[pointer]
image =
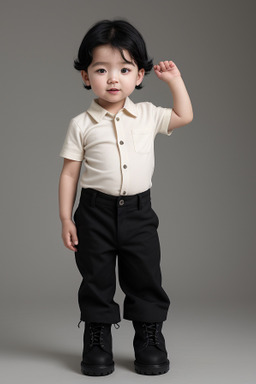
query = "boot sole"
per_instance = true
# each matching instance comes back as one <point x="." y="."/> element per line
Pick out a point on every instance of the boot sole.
<point x="97" y="370"/>
<point x="158" y="369"/>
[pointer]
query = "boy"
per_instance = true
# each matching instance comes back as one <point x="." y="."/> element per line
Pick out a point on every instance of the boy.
<point x="114" y="138"/>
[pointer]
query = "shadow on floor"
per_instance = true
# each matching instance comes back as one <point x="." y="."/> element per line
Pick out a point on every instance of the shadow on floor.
<point x="67" y="359"/>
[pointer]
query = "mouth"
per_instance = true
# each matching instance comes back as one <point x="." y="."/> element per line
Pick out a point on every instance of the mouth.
<point x="113" y="90"/>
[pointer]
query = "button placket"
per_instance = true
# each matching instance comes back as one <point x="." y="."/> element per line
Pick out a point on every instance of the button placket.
<point x="123" y="155"/>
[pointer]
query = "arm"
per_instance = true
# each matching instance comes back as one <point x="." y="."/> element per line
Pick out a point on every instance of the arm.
<point x="182" y="112"/>
<point x="67" y="193"/>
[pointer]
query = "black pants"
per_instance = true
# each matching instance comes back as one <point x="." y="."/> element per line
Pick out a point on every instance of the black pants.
<point x="123" y="226"/>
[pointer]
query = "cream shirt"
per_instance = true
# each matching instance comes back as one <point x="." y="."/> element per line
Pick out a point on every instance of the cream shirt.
<point x="117" y="150"/>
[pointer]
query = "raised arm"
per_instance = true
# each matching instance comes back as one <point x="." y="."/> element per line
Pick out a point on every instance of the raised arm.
<point x="182" y="112"/>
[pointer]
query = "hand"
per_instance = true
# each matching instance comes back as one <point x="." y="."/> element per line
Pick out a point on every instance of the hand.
<point x="69" y="235"/>
<point x="166" y="71"/>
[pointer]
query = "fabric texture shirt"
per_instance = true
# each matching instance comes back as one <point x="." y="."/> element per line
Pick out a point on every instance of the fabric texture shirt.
<point x="117" y="150"/>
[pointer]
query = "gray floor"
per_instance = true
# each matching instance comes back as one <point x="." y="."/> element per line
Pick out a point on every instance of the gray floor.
<point x="207" y="345"/>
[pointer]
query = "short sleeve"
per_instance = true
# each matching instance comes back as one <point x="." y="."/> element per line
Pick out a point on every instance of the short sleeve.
<point x="73" y="147"/>
<point x="162" y="118"/>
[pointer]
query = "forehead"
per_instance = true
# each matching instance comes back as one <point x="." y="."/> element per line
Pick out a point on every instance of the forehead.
<point x="107" y="53"/>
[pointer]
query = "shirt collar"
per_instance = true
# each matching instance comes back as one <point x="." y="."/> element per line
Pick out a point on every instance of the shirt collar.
<point x="98" y="113"/>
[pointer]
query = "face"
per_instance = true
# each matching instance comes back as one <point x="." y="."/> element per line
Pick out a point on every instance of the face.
<point x="111" y="78"/>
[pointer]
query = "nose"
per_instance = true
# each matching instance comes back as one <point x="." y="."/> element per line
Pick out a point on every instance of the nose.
<point x="112" y="79"/>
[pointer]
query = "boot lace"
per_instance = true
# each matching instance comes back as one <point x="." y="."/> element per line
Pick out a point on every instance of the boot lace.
<point x="96" y="334"/>
<point x="151" y="330"/>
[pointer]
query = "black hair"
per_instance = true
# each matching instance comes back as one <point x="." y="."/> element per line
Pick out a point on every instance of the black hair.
<point x="120" y="34"/>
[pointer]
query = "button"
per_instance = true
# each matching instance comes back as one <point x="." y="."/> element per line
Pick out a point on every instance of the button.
<point x="124" y="192"/>
<point x="121" y="142"/>
<point x="118" y="118"/>
<point x="124" y="166"/>
<point x="121" y="202"/>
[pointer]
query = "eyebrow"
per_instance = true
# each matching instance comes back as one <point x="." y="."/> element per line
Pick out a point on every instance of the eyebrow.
<point x="106" y="63"/>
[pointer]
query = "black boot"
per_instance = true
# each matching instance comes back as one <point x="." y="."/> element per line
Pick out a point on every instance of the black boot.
<point x="97" y="352"/>
<point x="149" y="346"/>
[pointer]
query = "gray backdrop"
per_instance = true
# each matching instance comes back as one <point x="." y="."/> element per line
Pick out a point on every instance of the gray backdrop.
<point x="204" y="183"/>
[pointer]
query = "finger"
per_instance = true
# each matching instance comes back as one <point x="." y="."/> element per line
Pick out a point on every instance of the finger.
<point x="162" y="66"/>
<point x="69" y="243"/>
<point x="158" y="71"/>
<point x="74" y="237"/>
<point x="167" y="66"/>
<point x="72" y="248"/>
<point x="74" y="240"/>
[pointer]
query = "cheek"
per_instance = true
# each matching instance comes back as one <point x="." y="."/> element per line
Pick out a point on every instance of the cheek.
<point x="96" y="83"/>
<point x="131" y="83"/>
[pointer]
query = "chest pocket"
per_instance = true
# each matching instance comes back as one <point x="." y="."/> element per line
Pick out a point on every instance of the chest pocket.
<point x="143" y="142"/>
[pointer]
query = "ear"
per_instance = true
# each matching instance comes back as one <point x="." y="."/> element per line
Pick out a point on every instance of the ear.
<point x="140" y="77"/>
<point x="85" y="78"/>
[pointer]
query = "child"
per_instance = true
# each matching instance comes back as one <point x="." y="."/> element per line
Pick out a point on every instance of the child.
<point x="114" y="138"/>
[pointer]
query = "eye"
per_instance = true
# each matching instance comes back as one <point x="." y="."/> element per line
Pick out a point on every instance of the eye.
<point x="125" y="70"/>
<point x="101" y="70"/>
